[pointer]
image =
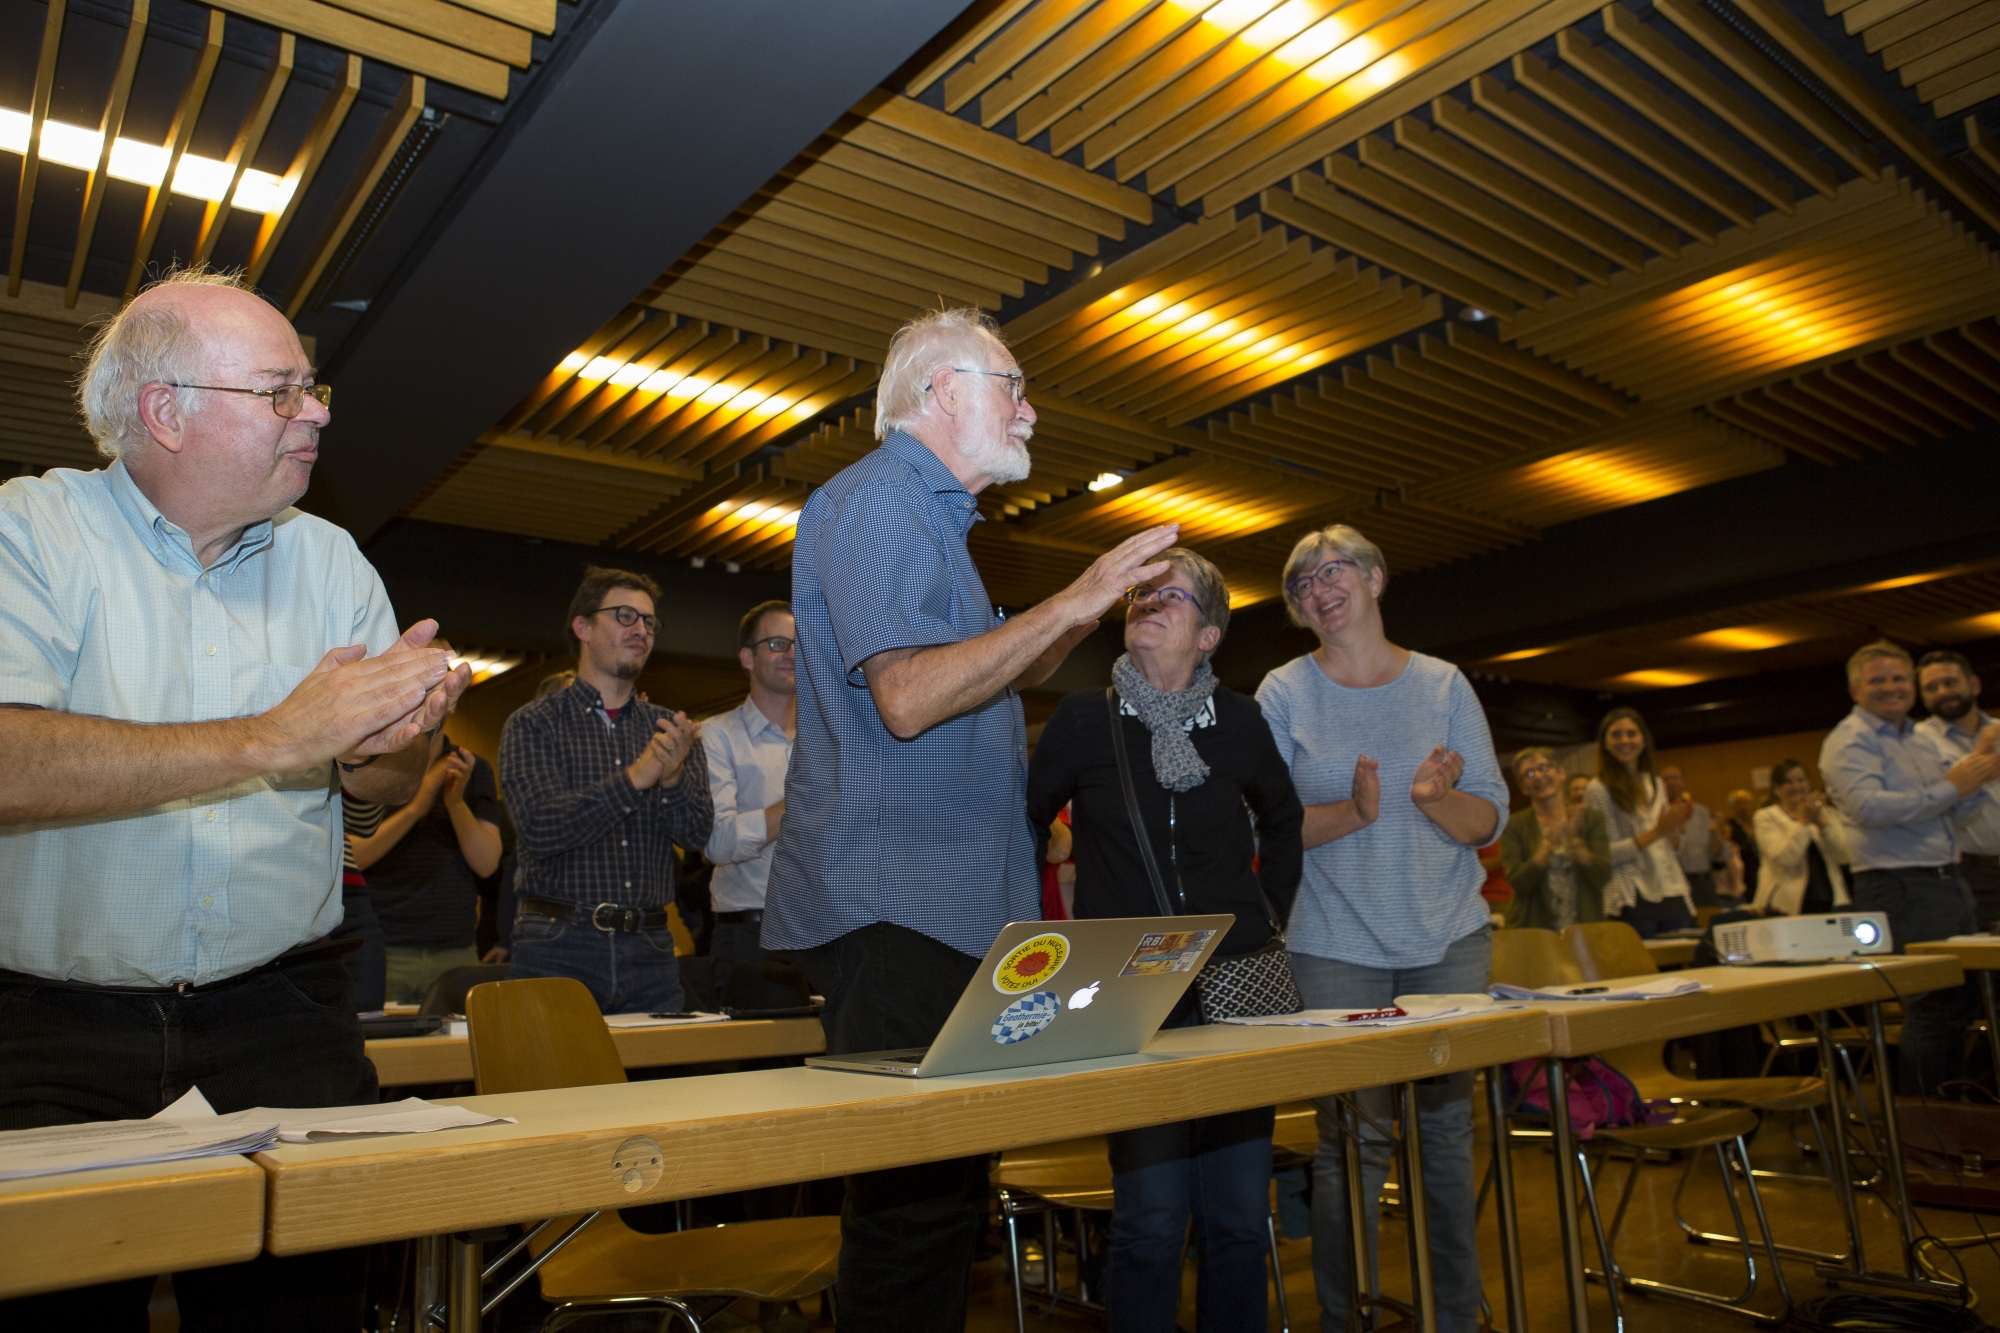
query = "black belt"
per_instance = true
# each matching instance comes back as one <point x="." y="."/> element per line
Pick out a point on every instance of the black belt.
<point x="318" y="951"/>
<point x="739" y="918"/>
<point x="605" y="916"/>
<point x="1979" y="859"/>
<point x="1940" y="872"/>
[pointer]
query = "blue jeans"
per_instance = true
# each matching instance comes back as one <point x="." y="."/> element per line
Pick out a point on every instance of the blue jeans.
<point x="1444" y="1119"/>
<point x="1217" y="1170"/>
<point x="628" y="972"/>
<point x="1925" y="905"/>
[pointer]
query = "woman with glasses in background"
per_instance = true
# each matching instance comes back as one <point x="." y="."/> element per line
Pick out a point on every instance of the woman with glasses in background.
<point x="1390" y="752"/>
<point x="1556" y="855"/>
<point x="1647" y="890"/>
<point x="1223" y="822"/>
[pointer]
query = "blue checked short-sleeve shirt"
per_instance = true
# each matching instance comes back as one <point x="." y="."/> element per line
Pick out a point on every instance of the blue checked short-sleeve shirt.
<point x="107" y="612"/>
<point x="930" y="833"/>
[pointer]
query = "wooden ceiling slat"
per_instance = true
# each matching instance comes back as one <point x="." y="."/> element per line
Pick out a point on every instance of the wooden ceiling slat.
<point x="909" y="231"/>
<point x="902" y="204"/>
<point x="1862" y="407"/>
<point x="1313" y="206"/>
<point x="552" y="383"/>
<point x="730" y="374"/>
<point x="1378" y="423"/>
<point x="1453" y="248"/>
<point x="1382" y="381"/>
<point x="769" y="378"/>
<point x="793" y="251"/>
<point x="998" y="16"/>
<point x="870" y="252"/>
<point x="850" y="155"/>
<point x="1007" y="47"/>
<point x="1514" y="361"/>
<point x="1961" y="352"/>
<point x="570" y="393"/>
<point x="345" y="31"/>
<point x="1445" y="366"/>
<point x="983" y="178"/>
<point x="1806" y="444"/>
<point x="1917" y="394"/>
<point x="1057" y="57"/>
<point x="1095" y="73"/>
<point x="713" y="358"/>
<point x="1878" y="24"/>
<point x="788" y="315"/>
<point x="648" y="347"/>
<point x="1132" y="86"/>
<point x="752" y="268"/>
<point x="1735" y="110"/>
<point x="1403" y="371"/>
<point x="1805" y="407"/>
<point x="1948" y="377"/>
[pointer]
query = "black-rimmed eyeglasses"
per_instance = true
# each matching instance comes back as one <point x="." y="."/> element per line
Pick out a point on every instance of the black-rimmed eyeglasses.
<point x="1168" y="598"/>
<point x="777" y="643"/>
<point x="286" y="399"/>
<point x="629" y="616"/>
<point x="1017" y="383"/>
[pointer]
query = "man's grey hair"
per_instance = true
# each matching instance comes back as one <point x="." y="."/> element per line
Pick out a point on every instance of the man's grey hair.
<point x="948" y="337"/>
<point x="1313" y="550"/>
<point x="137" y="348"/>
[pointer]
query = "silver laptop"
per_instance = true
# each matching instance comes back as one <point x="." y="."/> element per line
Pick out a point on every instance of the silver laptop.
<point x="1050" y="991"/>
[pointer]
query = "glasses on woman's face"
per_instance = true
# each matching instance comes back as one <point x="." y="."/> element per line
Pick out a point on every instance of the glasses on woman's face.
<point x="774" y="645"/>
<point x="1167" y="598"/>
<point x="1540" y="770"/>
<point x="629" y="616"/>
<point x="1325" y="576"/>
<point x="286" y="399"/>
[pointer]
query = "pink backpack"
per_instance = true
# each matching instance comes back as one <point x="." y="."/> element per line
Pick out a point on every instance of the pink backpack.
<point x="1598" y="1095"/>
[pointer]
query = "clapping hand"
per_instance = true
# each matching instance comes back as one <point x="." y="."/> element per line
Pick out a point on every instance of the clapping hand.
<point x="1436" y="775"/>
<point x="456" y="766"/>
<point x="666" y="753"/>
<point x="1367" y="789"/>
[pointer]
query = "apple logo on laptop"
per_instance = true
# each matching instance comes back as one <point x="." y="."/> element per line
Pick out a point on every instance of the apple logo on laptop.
<point x="1082" y="999"/>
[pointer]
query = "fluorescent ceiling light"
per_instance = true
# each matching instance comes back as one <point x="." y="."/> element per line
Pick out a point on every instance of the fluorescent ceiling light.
<point x="197" y="177"/>
<point x="1104" y="481"/>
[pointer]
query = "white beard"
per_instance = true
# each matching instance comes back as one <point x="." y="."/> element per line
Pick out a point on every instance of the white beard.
<point x="1006" y="461"/>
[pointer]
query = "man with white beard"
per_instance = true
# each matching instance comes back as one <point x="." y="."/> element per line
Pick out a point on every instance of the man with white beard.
<point x="905" y="845"/>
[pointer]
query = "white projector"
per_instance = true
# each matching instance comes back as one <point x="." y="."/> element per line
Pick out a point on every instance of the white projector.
<point x="1803" y="939"/>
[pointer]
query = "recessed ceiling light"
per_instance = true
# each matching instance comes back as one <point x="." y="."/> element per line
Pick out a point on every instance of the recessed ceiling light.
<point x="1104" y="481"/>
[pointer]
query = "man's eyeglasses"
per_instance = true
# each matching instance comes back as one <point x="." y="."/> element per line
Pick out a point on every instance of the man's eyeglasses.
<point x="1168" y="598"/>
<point x="777" y="643"/>
<point x="629" y="616"/>
<point x="1017" y="383"/>
<point x="286" y="399"/>
<point x="1325" y="576"/>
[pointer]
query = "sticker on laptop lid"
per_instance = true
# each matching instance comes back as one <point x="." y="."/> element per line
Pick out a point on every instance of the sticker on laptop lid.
<point x="1026" y="1017"/>
<point x="1166" y="951"/>
<point x="1030" y="963"/>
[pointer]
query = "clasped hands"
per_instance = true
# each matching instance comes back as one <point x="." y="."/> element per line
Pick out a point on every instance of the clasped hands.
<point x="353" y="707"/>
<point x="1437" y="775"/>
<point x="665" y="754"/>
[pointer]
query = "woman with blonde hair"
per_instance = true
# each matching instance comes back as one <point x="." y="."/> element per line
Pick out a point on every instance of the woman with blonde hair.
<point x="1647" y="890"/>
<point x="1391" y="755"/>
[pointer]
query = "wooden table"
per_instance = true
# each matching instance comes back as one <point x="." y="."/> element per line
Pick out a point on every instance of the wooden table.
<point x="441" y="1059"/>
<point x="85" y="1227"/>
<point x="1671" y="953"/>
<point x="1740" y="996"/>
<point x="769" y="1127"/>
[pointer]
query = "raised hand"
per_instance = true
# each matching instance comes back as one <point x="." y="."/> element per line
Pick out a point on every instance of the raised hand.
<point x="1675" y="816"/>
<point x="456" y="767"/>
<point x="1436" y="775"/>
<point x="666" y="753"/>
<point x="1367" y="789"/>
<point x="1124" y="565"/>
<point x="351" y="705"/>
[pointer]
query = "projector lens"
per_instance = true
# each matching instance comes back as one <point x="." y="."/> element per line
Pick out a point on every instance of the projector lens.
<point x="1867" y="932"/>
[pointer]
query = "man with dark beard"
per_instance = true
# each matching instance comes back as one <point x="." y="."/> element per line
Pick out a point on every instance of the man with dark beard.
<point x="599" y="784"/>
<point x="1950" y="693"/>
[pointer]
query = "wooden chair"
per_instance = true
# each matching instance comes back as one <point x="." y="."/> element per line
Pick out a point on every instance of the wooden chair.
<point x="1531" y="956"/>
<point x="546" y="1032"/>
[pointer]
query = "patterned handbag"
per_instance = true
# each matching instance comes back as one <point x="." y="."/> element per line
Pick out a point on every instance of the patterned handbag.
<point x="1249" y="985"/>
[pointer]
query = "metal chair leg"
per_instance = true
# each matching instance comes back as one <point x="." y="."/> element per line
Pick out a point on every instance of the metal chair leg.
<point x="1278" y="1276"/>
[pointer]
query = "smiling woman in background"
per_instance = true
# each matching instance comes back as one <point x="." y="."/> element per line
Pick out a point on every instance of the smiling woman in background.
<point x="1203" y="768"/>
<point x="1390" y="751"/>
<point x="1647" y="891"/>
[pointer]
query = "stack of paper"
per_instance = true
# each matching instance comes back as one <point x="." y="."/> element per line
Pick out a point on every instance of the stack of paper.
<point x="318" y="1124"/>
<point x="1629" y="988"/>
<point x="57" y="1149"/>
<point x="661" y="1020"/>
<point x="1415" y="1009"/>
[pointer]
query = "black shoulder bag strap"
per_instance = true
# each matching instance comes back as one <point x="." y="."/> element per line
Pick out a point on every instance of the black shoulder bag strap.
<point x="1132" y="801"/>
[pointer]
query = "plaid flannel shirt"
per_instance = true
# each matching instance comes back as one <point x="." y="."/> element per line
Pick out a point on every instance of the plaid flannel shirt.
<point x="585" y="834"/>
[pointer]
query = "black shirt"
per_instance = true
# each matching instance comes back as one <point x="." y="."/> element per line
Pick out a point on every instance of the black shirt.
<point x="425" y="894"/>
<point x="1212" y="837"/>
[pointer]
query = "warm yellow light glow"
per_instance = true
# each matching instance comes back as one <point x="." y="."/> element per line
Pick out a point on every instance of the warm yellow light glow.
<point x="600" y="368"/>
<point x="1977" y="626"/>
<point x="485" y="666"/>
<point x="572" y="363"/>
<point x="1346" y="60"/>
<point x="721" y="393"/>
<point x="1146" y="307"/>
<point x="1167" y="504"/>
<point x="746" y="400"/>
<point x="1663" y="678"/>
<point x="1313" y="43"/>
<point x="1387" y="71"/>
<point x="1906" y="581"/>
<point x="627" y="376"/>
<point x="802" y="410"/>
<point x="198" y="177"/>
<point x="1523" y="654"/>
<point x="1286" y="21"/>
<point x="1230" y="15"/>
<point x="1104" y="481"/>
<point x="1749" y="638"/>
<point x="658" y="382"/>
<point x="688" y="387"/>
<point x="1599" y="480"/>
<point x="1194" y="324"/>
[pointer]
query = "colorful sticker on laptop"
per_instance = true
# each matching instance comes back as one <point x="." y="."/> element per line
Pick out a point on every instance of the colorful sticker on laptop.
<point x="1166" y="951"/>
<point x="1026" y="1017"/>
<point x="1030" y="963"/>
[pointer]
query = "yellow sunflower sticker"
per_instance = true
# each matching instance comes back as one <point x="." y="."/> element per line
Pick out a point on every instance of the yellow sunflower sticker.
<point x="1030" y="963"/>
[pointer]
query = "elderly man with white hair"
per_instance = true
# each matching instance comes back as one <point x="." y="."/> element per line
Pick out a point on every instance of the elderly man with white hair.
<point x="905" y="844"/>
<point x="189" y="671"/>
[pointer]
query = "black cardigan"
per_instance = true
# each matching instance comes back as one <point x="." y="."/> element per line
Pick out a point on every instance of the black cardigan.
<point x="1074" y="765"/>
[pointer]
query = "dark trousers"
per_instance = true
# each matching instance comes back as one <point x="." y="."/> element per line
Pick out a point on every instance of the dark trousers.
<point x="735" y="942"/>
<point x="1924" y="904"/>
<point x="71" y="1054"/>
<point x="1650" y="919"/>
<point x="907" y="1235"/>
<point x="368" y="965"/>
<point x="1985" y="884"/>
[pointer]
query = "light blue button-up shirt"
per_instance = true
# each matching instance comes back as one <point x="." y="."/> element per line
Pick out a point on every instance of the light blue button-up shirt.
<point x="1889" y="783"/>
<point x="107" y="612"/>
<point x="748" y="754"/>
<point x="1977" y="827"/>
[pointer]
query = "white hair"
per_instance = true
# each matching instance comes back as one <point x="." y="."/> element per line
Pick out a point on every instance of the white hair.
<point x="939" y="338"/>
<point x="155" y="345"/>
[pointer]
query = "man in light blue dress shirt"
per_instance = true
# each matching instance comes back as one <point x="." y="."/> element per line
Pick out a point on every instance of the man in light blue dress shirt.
<point x="184" y="661"/>
<point x="1899" y="800"/>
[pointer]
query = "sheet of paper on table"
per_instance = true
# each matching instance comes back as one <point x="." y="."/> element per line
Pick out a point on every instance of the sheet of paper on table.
<point x="1416" y="1009"/>
<point x="661" y="1021"/>
<point x="318" y="1124"/>
<point x="1650" y="988"/>
<point x="57" y="1149"/>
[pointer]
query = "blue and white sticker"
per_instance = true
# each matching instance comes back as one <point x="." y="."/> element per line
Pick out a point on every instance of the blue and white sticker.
<point x="1026" y="1017"/>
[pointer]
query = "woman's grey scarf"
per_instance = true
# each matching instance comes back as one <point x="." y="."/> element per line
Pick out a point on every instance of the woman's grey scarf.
<point x="1175" y="762"/>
